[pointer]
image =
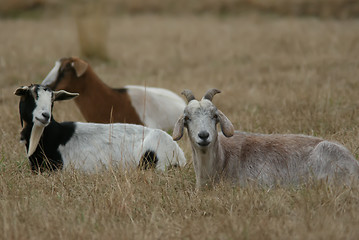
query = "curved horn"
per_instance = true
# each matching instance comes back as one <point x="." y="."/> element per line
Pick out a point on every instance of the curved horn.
<point x="188" y="94"/>
<point x="210" y="93"/>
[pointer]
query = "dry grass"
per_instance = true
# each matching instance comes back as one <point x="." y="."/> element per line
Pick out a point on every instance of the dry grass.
<point x="320" y="8"/>
<point x="13" y="5"/>
<point x="278" y="75"/>
<point x="92" y="30"/>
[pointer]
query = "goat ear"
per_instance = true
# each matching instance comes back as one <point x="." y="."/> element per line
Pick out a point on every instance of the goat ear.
<point x="21" y="91"/>
<point x="63" y="95"/>
<point x="178" y="129"/>
<point x="226" y="125"/>
<point x="80" y="66"/>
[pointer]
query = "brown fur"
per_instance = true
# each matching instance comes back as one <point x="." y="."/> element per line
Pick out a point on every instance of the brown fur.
<point x="97" y="102"/>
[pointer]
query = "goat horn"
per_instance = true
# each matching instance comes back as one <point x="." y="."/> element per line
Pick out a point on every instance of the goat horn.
<point x="210" y="93"/>
<point x="188" y="94"/>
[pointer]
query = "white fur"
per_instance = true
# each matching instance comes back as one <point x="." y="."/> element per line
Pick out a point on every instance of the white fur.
<point x="94" y="146"/>
<point x="52" y="76"/>
<point x="154" y="111"/>
<point x="42" y="106"/>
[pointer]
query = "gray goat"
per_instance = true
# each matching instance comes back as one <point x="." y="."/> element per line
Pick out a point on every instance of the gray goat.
<point x="243" y="158"/>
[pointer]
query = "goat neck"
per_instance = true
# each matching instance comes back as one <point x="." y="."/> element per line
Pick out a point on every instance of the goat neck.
<point x="90" y="87"/>
<point x="104" y="101"/>
<point x="53" y="135"/>
<point x="208" y="164"/>
<point x="92" y="93"/>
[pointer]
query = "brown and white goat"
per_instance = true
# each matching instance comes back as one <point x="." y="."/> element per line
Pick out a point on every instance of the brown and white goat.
<point x="265" y="159"/>
<point x="151" y="107"/>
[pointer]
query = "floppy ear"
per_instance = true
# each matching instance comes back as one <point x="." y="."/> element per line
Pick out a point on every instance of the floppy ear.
<point x="21" y="91"/>
<point x="178" y="129"/>
<point x="63" y="95"/>
<point x="80" y="66"/>
<point x="226" y="125"/>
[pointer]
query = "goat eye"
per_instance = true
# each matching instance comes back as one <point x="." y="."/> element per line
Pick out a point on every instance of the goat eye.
<point x="187" y="119"/>
<point x="215" y="116"/>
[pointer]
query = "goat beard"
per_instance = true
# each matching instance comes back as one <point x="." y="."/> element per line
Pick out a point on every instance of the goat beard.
<point x="36" y="133"/>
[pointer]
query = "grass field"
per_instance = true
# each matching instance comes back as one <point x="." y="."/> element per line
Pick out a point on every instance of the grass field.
<point x="277" y="75"/>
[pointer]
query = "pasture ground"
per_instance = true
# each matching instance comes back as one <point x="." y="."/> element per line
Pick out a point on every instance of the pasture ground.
<point x="277" y="75"/>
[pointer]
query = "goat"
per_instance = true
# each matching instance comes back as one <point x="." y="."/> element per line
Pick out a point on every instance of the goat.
<point x="151" y="107"/>
<point x="242" y="158"/>
<point x="51" y="145"/>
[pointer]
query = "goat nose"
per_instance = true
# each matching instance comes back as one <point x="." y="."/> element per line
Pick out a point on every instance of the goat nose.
<point x="46" y="115"/>
<point x="203" y="135"/>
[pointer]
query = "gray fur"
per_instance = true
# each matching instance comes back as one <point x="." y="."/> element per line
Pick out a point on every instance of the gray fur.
<point x="259" y="158"/>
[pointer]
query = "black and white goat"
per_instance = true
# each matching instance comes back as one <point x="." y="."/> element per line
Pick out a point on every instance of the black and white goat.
<point x="247" y="157"/>
<point x="88" y="146"/>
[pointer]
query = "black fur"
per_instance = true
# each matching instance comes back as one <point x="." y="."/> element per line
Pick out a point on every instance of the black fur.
<point x="149" y="160"/>
<point x="47" y="156"/>
<point x="26" y="106"/>
<point x="121" y="90"/>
